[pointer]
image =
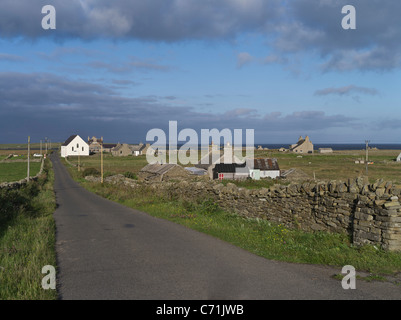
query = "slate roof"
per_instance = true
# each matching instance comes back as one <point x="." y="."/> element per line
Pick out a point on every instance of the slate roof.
<point x="109" y="145"/>
<point x="67" y="142"/>
<point x="137" y="147"/>
<point x="228" y="167"/>
<point x="297" y="144"/>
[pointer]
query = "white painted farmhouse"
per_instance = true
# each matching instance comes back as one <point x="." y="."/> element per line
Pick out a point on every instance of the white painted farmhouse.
<point x="74" y="146"/>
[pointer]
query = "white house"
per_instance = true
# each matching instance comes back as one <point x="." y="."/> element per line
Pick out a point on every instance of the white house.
<point x="264" y="168"/>
<point x="399" y="158"/>
<point x="74" y="146"/>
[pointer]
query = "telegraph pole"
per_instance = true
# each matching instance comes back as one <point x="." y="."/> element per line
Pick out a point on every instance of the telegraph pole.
<point x="40" y="147"/>
<point x="79" y="160"/>
<point x="367" y="155"/>
<point x="101" y="162"/>
<point x="29" y="150"/>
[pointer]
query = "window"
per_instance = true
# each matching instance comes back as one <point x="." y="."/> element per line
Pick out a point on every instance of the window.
<point x="72" y="148"/>
<point x="77" y="146"/>
<point x="82" y="148"/>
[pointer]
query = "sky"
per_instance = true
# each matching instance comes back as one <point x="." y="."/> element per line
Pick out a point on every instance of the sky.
<point x="283" y="68"/>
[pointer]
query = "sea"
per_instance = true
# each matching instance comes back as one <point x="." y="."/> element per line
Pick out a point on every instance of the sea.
<point x="334" y="146"/>
<point x="337" y="146"/>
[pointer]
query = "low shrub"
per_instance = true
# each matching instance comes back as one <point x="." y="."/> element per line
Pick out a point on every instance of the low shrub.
<point x="90" y="172"/>
<point x="130" y="175"/>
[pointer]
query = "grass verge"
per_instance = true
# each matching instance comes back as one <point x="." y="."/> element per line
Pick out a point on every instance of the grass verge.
<point x="27" y="239"/>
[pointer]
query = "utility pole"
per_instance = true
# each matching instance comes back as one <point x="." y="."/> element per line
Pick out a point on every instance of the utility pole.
<point x="79" y="160"/>
<point x="40" y="147"/>
<point x="29" y="151"/>
<point x="367" y="155"/>
<point x="101" y="162"/>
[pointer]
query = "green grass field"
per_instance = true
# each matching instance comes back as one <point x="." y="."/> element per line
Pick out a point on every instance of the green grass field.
<point x="16" y="171"/>
<point x="34" y="145"/>
<point x="339" y="165"/>
<point x="112" y="164"/>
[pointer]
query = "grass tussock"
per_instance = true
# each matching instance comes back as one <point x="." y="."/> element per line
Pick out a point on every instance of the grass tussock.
<point x="27" y="239"/>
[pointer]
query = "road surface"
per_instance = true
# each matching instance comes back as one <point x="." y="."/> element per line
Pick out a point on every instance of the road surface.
<point x="108" y="251"/>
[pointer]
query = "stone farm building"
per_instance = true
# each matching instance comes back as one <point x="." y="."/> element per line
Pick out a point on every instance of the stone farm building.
<point x="325" y="150"/>
<point x="302" y="146"/>
<point x="95" y="145"/>
<point x="125" y="149"/>
<point x="74" y="146"/>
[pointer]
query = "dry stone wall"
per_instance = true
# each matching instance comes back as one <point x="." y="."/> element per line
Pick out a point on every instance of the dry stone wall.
<point x="369" y="213"/>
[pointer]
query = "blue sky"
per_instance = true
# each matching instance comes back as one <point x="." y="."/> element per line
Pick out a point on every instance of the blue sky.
<point x="120" y="68"/>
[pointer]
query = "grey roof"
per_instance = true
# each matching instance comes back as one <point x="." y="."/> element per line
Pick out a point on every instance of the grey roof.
<point x="297" y="144"/>
<point x="137" y="147"/>
<point x="157" y="168"/>
<point x="109" y="145"/>
<point x="67" y="142"/>
<point x="229" y="168"/>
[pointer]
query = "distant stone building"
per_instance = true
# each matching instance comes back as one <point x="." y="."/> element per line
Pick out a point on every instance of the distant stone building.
<point x="125" y="149"/>
<point x="121" y="150"/>
<point x="139" y="149"/>
<point x="302" y="146"/>
<point x="325" y="150"/>
<point x="95" y="145"/>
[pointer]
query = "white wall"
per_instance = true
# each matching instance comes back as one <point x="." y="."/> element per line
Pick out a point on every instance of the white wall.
<point x="77" y="147"/>
<point x="270" y="173"/>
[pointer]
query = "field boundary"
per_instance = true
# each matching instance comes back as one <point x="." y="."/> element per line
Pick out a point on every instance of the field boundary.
<point x="18" y="184"/>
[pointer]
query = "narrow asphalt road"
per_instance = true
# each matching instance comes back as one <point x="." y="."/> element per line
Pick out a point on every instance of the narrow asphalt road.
<point x="108" y="251"/>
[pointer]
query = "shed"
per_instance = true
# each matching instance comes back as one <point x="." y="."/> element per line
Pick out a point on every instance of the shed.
<point x="231" y="171"/>
<point x="268" y="167"/>
<point x="325" y="150"/>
